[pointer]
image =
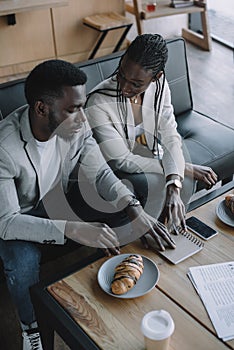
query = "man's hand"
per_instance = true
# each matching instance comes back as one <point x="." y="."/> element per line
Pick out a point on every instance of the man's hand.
<point x="145" y="224"/>
<point x="173" y="212"/>
<point x="93" y="234"/>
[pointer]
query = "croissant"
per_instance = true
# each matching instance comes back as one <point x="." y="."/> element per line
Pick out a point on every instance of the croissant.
<point x="127" y="273"/>
<point x="229" y="201"/>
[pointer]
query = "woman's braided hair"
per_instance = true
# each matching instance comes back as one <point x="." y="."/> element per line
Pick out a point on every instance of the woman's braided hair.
<point x="150" y="52"/>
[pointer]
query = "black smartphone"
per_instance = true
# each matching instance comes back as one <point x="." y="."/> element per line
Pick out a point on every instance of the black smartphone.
<point x="200" y="228"/>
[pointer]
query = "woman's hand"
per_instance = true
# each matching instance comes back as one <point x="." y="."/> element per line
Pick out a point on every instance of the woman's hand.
<point x="201" y="173"/>
<point x="173" y="212"/>
<point x="93" y="234"/>
<point x="145" y="224"/>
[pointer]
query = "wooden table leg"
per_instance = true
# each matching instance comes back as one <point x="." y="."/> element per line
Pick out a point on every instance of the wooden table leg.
<point x="44" y="321"/>
<point x="47" y="336"/>
<point x="137" y="12"/>
<point x="123" y="36"/>
<point x="98" y="43"/>
<point x="202" y="40"/>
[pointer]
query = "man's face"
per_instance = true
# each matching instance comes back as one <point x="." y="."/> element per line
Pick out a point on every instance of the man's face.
<point x="66" y="115"/>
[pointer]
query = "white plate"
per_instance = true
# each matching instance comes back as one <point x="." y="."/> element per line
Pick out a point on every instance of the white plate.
<point x="145" y="284"/>
<point x="225" y="214"/>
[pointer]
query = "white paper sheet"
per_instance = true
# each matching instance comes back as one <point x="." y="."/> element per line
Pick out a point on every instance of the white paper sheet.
<point x="215" y="286"/>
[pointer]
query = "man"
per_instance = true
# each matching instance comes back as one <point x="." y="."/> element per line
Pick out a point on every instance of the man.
<point x="44" y="147"/>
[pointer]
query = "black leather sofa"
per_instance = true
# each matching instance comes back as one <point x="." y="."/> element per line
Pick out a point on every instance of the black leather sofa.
<point x="208" y="141"/>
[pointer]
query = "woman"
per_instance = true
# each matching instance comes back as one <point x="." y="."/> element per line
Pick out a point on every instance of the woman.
<point x="135" y="102"/>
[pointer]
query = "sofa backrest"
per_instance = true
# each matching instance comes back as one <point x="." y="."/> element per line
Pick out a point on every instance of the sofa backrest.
<point x="98" y="69"/>
<point x="11" y="96"/>
<point x="177" y="74"/>
<point x="12" y="92"/>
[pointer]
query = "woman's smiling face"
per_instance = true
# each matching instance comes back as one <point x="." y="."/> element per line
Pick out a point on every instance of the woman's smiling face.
<point x="133" y="78"/>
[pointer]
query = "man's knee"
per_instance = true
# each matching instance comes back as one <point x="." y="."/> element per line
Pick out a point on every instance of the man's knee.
<point x="19" y="258"/>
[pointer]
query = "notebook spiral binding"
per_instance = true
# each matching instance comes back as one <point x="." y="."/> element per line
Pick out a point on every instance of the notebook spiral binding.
<point x="194" y="239"/>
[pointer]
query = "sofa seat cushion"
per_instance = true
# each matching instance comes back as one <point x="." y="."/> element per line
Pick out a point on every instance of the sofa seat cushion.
<point x="208" y="142"/>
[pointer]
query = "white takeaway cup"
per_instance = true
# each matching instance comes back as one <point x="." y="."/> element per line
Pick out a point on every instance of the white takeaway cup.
<point x="157" y="327"/>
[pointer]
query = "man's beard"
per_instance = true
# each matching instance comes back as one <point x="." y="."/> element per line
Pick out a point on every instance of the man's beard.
<point x="57" y="128"/>
<point x="53" y="124"/>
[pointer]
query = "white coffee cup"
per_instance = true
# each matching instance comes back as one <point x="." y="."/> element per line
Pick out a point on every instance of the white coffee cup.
<point x="157" y="327"/>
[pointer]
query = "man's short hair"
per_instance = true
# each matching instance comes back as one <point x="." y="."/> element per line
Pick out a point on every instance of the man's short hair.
<point x="47" y="80"/>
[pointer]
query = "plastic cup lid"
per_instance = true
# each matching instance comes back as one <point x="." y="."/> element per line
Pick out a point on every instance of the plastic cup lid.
<point x="157" y="325"/>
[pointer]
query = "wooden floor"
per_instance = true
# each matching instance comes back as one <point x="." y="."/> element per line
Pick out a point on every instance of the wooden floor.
<point x="212" y="83"/>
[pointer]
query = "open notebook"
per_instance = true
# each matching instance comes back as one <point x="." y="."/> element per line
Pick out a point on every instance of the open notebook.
<point x="186" y="245"/>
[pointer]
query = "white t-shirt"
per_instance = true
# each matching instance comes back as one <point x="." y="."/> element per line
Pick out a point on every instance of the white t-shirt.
<point x="139" y="129"/>
<point x="50" y="170"/>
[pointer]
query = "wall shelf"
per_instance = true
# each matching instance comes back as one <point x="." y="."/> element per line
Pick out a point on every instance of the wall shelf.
<point x="137" y="8"/>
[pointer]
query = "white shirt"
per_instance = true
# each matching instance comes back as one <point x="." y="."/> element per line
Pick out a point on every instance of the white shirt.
<point x="139" y="129"/>
<point x="50" y="170"/>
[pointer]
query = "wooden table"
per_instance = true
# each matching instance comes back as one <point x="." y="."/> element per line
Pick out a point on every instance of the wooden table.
<point x="88" y="318"/>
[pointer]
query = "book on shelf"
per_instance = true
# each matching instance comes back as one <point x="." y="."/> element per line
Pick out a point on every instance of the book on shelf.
<point x="214" y="284"/>
<point x="181" y="3"/>
<point x="186" y="245"/>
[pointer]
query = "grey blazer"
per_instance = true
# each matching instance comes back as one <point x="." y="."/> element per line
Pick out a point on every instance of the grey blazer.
<point x="20" y="181"/>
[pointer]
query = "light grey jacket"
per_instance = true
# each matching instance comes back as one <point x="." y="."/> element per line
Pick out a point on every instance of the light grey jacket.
<point x="20" y="181"/>
<point x="107" y="122"/>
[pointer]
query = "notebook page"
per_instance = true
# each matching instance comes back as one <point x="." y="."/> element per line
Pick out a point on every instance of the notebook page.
<point x="186" y="245"/>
